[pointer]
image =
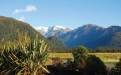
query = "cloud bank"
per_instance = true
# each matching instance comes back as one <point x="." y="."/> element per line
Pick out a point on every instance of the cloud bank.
<point x="28" y="8"/>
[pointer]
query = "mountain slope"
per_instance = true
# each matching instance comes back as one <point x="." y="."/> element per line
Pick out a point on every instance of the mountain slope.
<point x="93" y="36"/>
<point x="55" y="40"/>
<point x="82" y="35"/>
<point x="9" y="27"/>
<point x="114" y="34"/>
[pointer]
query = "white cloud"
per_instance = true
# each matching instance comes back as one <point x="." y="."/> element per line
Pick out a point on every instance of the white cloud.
<point x="21" y="18"/>
<point x="29" y="8"/>
<point x="16" y="11"/>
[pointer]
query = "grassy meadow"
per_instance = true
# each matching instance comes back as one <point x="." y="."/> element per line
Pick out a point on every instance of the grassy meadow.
<point x="105" y="57"/>
<point x="110" y="59"/>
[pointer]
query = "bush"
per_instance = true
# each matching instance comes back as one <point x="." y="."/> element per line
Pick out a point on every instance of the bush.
<point x="95" y="66"/>
<point x="80" y="51"/>
<point x="80" y="54"/>
<point x="88" y="64"/>
<point x="117" y="69"/>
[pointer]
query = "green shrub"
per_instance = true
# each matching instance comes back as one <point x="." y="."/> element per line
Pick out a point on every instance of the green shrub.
<point x="95" y="66"/>
<point x="80" y="55"/>
<point x="117" y="69"/>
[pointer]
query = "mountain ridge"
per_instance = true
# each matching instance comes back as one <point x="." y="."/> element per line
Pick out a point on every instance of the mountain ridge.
<point x="92" y="36"/>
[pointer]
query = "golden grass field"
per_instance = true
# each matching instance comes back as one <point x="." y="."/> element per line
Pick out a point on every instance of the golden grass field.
<point x="105" y="57"/>
<point x="108" y="58"/>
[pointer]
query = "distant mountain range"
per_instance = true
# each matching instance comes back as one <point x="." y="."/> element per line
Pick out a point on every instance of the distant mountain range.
<point x="89" y="35"/>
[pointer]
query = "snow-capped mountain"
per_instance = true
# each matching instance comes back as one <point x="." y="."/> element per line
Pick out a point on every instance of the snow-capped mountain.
<point x="53" y="31"/>
<point x="42" y="30"/>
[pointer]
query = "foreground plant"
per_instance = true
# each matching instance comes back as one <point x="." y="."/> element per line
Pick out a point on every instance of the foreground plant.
<point x="27" y="58"/>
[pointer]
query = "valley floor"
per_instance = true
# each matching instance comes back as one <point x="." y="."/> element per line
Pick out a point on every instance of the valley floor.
<point x="105" y="57"/>
<point x="108" y="58"/>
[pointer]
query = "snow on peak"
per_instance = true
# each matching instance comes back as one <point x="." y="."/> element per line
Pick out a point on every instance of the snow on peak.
<point x="51" y="29"/>
<point x="42" y="28"/>
<point x="58" y="27"/>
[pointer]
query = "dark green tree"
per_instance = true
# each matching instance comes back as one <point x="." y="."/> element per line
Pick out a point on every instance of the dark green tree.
<point x="95" y="66"/>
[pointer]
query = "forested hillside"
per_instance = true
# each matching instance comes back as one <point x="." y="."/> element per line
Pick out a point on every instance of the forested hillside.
<point x="9" y="28"/>
<point x="57" y="42"/>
